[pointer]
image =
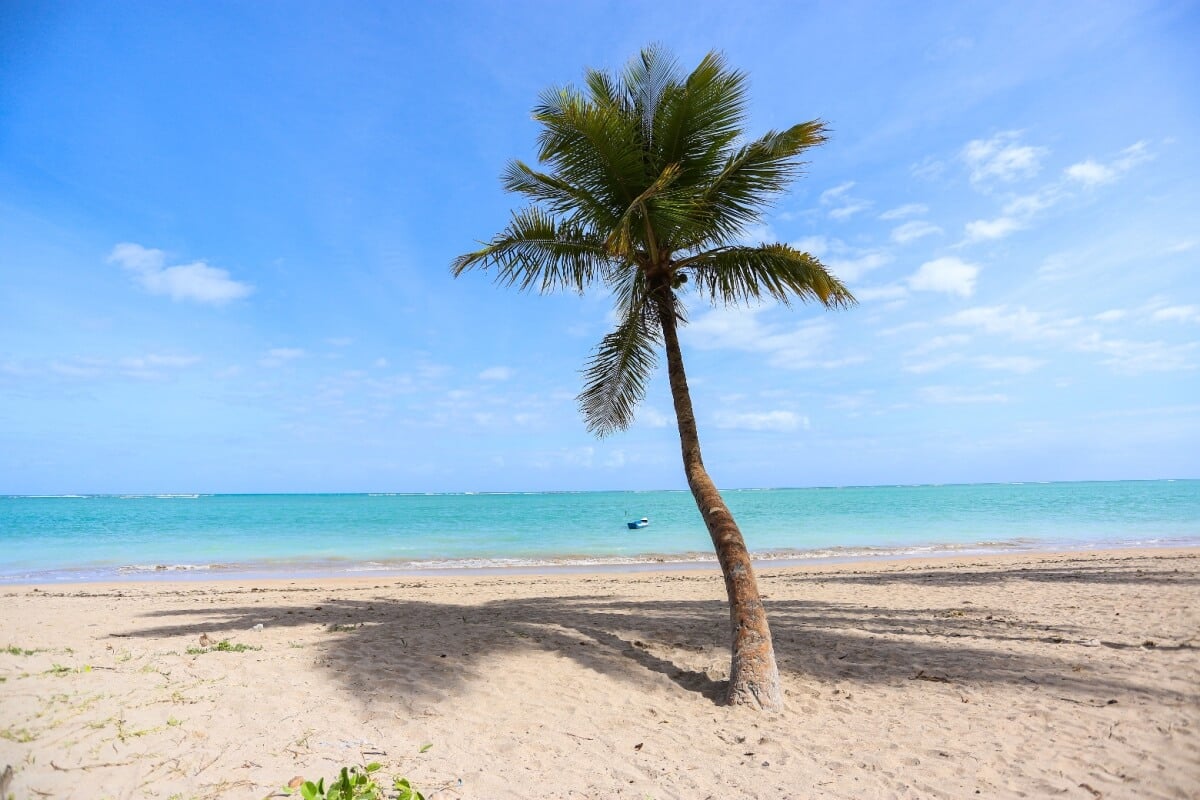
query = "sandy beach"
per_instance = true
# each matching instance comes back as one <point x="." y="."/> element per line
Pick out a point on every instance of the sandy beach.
<point x="1072" y="675"/>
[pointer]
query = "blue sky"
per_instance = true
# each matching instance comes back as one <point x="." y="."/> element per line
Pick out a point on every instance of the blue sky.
<point x="225" y="231"/>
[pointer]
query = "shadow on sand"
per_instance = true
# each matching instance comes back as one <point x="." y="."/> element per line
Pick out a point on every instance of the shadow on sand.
<point x="429" y="648"/>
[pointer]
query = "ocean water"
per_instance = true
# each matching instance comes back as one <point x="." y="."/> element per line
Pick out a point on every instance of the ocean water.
<point x="107" y="537"/>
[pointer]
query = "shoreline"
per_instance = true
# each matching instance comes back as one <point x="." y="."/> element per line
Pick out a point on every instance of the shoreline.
<point x="706" y="568"/>
<point x="1013" y="675"/>
<point x="568" y="565"/>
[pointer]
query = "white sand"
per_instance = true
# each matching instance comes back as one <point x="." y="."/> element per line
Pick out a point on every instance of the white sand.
<point x="1019" y="676"/>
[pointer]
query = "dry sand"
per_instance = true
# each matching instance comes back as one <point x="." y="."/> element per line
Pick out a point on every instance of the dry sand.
<point x="1071" y="675"/>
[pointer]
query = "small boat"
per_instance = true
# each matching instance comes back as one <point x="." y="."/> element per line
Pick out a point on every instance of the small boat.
<point x="638" y="523"/>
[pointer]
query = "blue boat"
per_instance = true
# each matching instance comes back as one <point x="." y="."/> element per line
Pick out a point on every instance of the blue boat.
<point x="638" y="523"/>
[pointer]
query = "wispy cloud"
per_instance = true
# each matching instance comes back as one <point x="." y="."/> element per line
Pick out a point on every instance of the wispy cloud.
<point x="1019" y="364"/>
<point x="1021" y="211"/>
<point x="1094" y="173"/>
<point x="277" y="356"/>
<point x="911" y="231"/>
<point x="778" y="421"/>
<point x="907" y="210"/>
<point x="1002" y="158"/>
<point x="853" y="268"/>
<point x="496" y="374"/>
<point x="196" y="281"/>
<point x="952" y="395"/>
<point x="801" y="346"/>
<point x="867" y="294"/>
<point x="149" y="367"/>
<point x="842" y="204"/>
<point x="652" y="417"/>
<point x="1125" y="356"/>
<point x="1177" y="314"/>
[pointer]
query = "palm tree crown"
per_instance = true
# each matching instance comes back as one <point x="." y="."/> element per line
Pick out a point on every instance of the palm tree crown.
<point x="648" y="184"/>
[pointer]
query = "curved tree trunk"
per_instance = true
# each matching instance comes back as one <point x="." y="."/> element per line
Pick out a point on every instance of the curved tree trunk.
<point x="753" y="673"/>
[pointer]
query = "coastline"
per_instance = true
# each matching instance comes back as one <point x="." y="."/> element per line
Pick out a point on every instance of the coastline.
<point x="1022" y="673"/>
<point x="566" y="565"/>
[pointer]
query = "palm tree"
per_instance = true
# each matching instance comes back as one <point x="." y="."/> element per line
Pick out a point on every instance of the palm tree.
<point x="649" y="186"/>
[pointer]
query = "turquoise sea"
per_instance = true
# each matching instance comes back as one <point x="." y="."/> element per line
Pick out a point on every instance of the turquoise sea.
<point x="128" y="537"/>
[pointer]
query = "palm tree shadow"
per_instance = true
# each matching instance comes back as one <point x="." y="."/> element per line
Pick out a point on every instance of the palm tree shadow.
<point x="418" y="649"/>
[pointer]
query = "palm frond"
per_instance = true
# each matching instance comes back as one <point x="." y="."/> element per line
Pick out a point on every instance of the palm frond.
<point x="558" y="196"/>
<point x="595" y="148"/>
<point x="645" y="81"/>
<point x="621" y="240"/>
<point x="752" y="177"/>
<point x="615" y="377"/>
<point x="537" y="251"/>
<point x="699" y="119"/>
<point x="743" y="275"/>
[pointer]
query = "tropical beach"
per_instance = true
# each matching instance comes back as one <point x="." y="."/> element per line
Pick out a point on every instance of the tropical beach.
<point x="688" y="400"/>
<point x="1027" y="675"/>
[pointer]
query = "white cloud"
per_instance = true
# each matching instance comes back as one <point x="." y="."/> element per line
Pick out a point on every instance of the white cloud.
<point x="1020" y="211"/>
<point x="196" y="281"/>
<point x="1025" y="206"/>
<point x="152" y="366"/>
<point x="949" y="275"/>
<point x="850" y="209"/>
<point x="1021" y="364"/>
<point x="851" y="269"/>
<point x="950" y="395"/>
<point x="939" y="343"/>
<point x="1021" y="323"/>
<point x="381" y="363"/>
<point x="1002" y="158"/>
<point x="815" y="246"/>
<point x="908" y="210"/>
<point x="155" y="360"/>
<point x="278" y="356"/>
<point x="778" y="421"/>
<point x="928" y="169"/>
<point x="496" y="374"/>
<point x="1122" y="355"/>
<point x="911" y="231"/>
<point x="836" y="194"/>
<point x="1093" y="173"/>
<point x="932" y="365"/>
<point x="754" y="235"/>
<point x="1177" y="314"/>
<point x="79" y="369"/>
<point x="1090" y="173"/>
<point x="340" y="341"/>
<point x="845" y="206"/>
<point x="652" y="417"/>
<point x="800" y="346"/>
<point x="982" y="229"/>
<point x="866" y="294"/>
<point x="1131" y="357"/>
<point x="1112" y="315"/>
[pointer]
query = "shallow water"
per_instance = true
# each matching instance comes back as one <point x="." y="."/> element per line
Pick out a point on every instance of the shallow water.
<point x="105" y="537"/>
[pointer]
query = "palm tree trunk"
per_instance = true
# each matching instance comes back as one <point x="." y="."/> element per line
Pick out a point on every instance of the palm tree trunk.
<point x="753" y="673"/>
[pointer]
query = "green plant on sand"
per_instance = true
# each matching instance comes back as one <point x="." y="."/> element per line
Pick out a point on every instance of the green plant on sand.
<point x="223" y="646"/>
<point x="649" y="187"/>
<point x="355" y="783"/>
